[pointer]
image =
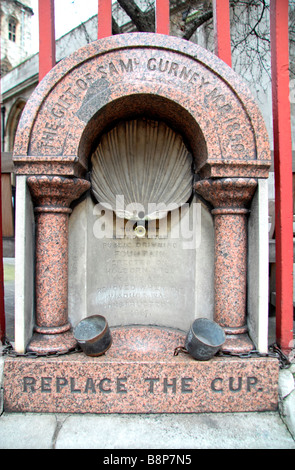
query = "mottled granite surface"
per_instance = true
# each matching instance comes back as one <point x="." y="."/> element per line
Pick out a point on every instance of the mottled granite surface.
<point x="140" y="374"/>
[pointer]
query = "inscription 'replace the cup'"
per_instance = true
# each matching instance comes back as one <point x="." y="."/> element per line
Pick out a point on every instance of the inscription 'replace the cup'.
<point x="151" y="385"/>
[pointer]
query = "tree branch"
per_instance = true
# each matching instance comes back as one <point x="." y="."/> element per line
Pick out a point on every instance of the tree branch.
<point x="197" y="23"/>
<point x="253" y="30"/>
<point x="142" y="21"/>
<point x="115" y="27"/>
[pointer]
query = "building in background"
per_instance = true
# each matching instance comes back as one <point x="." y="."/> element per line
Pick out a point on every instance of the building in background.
<point x="15" y="33"/>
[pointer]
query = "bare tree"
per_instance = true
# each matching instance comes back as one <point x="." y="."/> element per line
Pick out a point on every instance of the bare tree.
<point x="145" y="20"/>
<point x="250" y="29"/>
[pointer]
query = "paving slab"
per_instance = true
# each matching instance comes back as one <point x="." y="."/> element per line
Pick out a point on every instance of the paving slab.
<point x="26" y="431"/>
<point x="174" y="431"/>
<point x="168" y="431"/>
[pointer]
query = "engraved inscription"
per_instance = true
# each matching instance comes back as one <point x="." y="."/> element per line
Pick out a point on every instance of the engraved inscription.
<point x="118" y="68"/>
<point x="213" y="93"/>
<point x="141" y="280"/>
<point x="71" y="95"/>
<point x="158" y="65"/>
<point x="151" y="385"/>
<point x="48" y="135"/>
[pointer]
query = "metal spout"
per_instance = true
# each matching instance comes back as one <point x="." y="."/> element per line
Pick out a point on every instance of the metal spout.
<point x="140" y="231"/>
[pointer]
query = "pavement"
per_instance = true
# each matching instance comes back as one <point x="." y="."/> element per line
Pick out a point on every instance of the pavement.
<point x="112" y="434"/>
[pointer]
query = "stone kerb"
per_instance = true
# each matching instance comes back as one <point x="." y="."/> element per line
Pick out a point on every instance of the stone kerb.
<point x="119" y="77"/>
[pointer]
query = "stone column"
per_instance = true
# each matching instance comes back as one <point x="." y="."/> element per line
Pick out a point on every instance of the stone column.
<point x="230" y="198"/>
<point x="52" y="196"/>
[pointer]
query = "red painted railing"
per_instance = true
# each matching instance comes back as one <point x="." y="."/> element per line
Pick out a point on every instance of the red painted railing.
<point x="46" y="37"/>
<point x="104" y="19"/>
<point x="283" y="171"/>
<point x="281" y="125"/>
<point x="2" y="307"/>
<point x="162" y="16"/>
<point x="222" y="30"/>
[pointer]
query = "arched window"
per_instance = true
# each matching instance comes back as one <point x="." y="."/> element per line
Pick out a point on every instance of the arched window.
<point x="13" y="120"/>
<point x="12" y="29"/>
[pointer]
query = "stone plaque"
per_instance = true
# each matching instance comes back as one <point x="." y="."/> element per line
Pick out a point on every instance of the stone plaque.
<point x="165" y="279"/>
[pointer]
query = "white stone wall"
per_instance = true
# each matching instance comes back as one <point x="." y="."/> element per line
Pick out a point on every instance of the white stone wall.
<point x="16" y="51"/>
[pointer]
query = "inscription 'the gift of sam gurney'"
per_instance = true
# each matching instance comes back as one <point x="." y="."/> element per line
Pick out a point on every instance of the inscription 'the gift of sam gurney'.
<point x="160" y="69"/>
<point x="151" y="385"/>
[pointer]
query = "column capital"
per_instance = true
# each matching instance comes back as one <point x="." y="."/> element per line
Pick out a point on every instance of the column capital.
<point x="52" y="193"/>
<point x="227" y="195"/>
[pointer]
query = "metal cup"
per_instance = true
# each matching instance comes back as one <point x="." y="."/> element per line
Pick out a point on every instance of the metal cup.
<point x="93" y="335"/>
<point x="204" y="339"/>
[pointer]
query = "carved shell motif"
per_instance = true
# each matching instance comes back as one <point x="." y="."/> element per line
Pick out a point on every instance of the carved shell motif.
<point x="141" y="169"/>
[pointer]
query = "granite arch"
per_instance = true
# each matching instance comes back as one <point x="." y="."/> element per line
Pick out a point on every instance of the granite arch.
<point x="147" y="71"/>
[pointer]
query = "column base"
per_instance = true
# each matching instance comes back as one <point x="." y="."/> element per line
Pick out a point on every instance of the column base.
<point x="50" y="344"/>
<point x="237" y="344"/>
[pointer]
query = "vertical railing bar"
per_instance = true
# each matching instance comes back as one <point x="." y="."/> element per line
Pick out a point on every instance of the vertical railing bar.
<point x="221" y="20"/>
<point x="2" y="305"/>
<point x="104" y="19"/>
<point x="47" y="57"/>
<point x="283" y="172"/>
<point x="162" y="16"/>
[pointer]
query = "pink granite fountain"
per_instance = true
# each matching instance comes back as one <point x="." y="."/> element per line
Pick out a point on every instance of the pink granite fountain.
<point x="122" y="79"/>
